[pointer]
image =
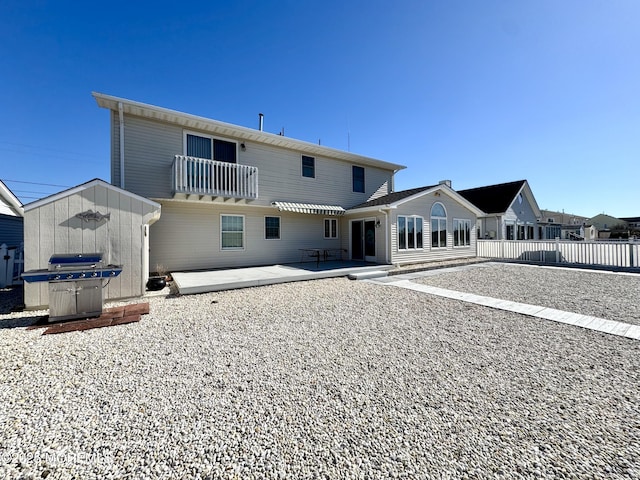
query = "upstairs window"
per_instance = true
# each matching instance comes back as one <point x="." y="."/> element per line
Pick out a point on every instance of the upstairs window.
<point x="308" y="167"/>
<point x="201" y="146"/>
<point x="438" y="226"/>
<point x="357" y="174"/>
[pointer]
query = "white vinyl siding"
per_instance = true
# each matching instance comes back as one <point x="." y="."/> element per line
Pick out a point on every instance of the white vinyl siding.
<point x="150" y="147"/>
<point x="422" y="206"/>
<point x="187" y="237"/>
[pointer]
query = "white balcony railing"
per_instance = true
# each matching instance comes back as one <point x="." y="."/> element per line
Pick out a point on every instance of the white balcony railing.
<point x="200" y="176"/>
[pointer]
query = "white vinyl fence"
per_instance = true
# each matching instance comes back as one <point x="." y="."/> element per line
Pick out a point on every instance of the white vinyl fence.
<point x="11" y="265"/>
<point x="614" y="254"/>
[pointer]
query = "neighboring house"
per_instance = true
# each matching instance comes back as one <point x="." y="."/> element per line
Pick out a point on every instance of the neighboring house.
<point x="92" y="217"/>
<point x="565" y="226"/>
<point x="234" y="196"/>
<point x="633" y="224"/>
<point x="510" y="211"/>
<point x="606" y="222"/>
<point x="11" y="218"/>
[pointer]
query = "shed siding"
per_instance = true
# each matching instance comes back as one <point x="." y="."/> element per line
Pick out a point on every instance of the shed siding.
<point x="150" y="147"/>
<point x="422" y="207"/>
<point x="187" y="237"/>
<point x="54" y="228"/>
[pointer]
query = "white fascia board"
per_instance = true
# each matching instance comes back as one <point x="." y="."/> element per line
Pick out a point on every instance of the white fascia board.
<point x="11" y="199"/>
<point x="375" y="208"/>
<point x="243" y="133"/>
<point x="84" y="186"/>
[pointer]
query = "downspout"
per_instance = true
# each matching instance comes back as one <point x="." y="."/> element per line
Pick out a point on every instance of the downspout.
<point x="387" y="247"/>
<point x="121" y="119"/>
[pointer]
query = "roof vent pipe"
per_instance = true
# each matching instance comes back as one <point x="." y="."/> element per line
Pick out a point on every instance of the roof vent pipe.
<point x="260" y="121"/>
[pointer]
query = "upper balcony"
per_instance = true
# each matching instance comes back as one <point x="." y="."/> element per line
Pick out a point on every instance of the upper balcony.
<point x="200" y="178"/>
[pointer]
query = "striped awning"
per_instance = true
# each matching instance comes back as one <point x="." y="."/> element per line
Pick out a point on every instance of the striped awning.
<point x="309" y="208"/>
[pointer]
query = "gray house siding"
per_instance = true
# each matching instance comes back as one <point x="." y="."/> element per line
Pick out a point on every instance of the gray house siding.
<point x="187" y="237"/>
<point x="150" y="147"/>
<point x="520" y="214"/>
<point x="11" y="230"/>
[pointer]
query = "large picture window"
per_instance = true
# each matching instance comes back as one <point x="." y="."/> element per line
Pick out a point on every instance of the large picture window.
<point x="438" y="226"/>
<point x="461" y="232"/>
<point x="410" y="231"/>
<point x="232" y="232"/>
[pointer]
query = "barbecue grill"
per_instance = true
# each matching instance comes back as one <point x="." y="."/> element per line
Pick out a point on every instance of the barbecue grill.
<point x="75" y="284"/>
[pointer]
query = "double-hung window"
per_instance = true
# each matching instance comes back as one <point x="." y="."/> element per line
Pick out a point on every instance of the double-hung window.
<point x="410" y="231"/>
<point x="461" y="232"/>
<point x="308" y="166"/>
<point x="438" y="226"/>
<point x="272" y="228"/>
<point x="330" y="228"/>
<point x="357" y="175"/>
<point x="232" y="232"/>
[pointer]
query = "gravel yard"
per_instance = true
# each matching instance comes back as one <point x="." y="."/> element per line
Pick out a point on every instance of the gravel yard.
<point x="323" y="379"/>
<point x="601" y="294"/>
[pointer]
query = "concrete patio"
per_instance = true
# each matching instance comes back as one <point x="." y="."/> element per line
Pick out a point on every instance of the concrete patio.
<point x="228" y="279"/>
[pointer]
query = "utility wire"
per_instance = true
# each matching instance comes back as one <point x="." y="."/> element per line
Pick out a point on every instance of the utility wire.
<point x="35" y="183"/>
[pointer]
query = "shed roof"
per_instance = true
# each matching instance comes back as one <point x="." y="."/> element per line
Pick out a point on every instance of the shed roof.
<point x="85" y="186"/>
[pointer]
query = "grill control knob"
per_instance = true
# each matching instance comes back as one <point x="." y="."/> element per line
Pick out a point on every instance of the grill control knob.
<point x="112" y="273"/>
<point x="69" y="275"/>
<point x="94" y="274"/>
<point x="56" y="277"/>
<point x="82" y="275"/>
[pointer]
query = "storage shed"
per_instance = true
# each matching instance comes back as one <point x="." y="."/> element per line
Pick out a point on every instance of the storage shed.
<point x="92" y="217"/>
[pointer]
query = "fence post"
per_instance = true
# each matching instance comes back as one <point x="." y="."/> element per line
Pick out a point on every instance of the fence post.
<point x="557" y="249"/>
<point x="630" y="252"/>
<point x="6" y="275"/>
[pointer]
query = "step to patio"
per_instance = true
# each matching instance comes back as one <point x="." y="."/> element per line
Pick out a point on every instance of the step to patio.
<point x="367" y="275"/>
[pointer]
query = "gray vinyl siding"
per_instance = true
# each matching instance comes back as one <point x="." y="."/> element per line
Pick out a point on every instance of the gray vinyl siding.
<point x="521" y="214"/>
<point x="150" y="147"/>
<point x="54" y="228"/>
<point x="187" y="237"/>
<point x="422" y="207"/>
<point x="11" y="230"/>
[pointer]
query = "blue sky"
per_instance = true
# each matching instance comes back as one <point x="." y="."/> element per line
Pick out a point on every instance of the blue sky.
<point x="478" y="92"/>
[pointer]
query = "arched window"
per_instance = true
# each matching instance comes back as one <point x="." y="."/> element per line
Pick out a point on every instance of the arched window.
<point x="438" y="226"/>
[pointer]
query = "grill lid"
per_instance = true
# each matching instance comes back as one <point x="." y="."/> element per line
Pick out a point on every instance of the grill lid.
<point x="75" y="261"/>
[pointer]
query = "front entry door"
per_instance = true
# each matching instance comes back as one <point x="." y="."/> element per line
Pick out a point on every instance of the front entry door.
<point x="363" y="240"/>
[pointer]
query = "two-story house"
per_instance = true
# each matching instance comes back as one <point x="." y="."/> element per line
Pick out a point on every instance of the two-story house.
<point x="234" y="196"/>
